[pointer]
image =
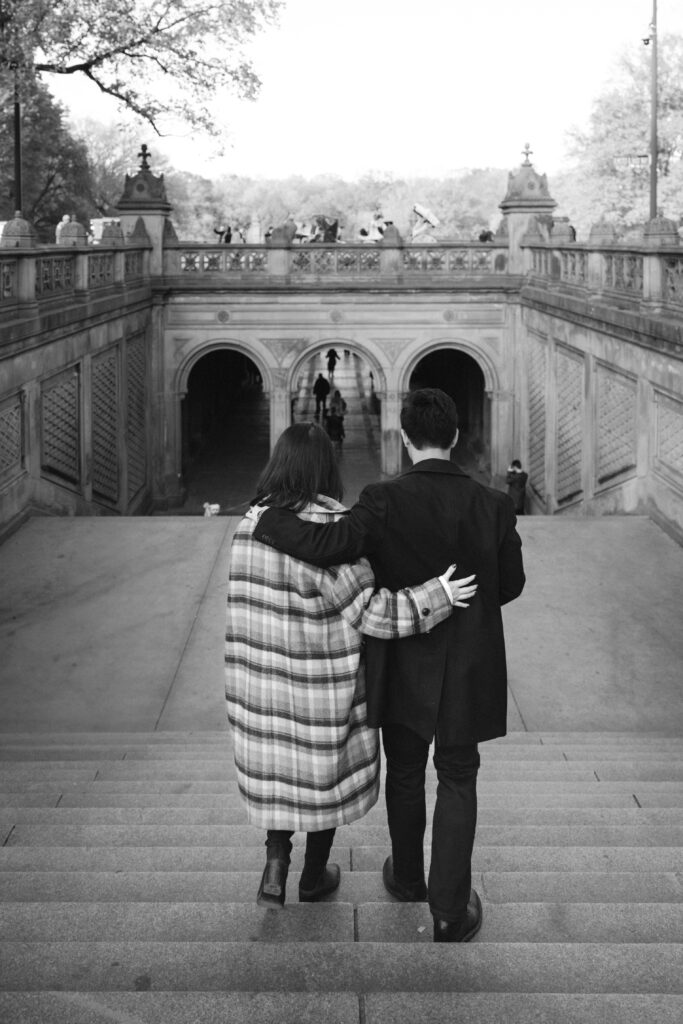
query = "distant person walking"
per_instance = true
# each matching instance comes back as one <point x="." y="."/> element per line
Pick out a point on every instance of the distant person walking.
<point x="516" y="480"/>
<point x="337" y="404"/>
<point x="332" y="358"/>
<point x="321" y="390"/>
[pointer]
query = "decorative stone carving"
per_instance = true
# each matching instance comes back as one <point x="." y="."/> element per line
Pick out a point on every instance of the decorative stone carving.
<point x="660" y="232"/>
<point x="527" y="188"/>
<point x="144" y="190"/>
<point x="112" y="235"/>
<point x="73" y="234"/>
<point x="602" y="233"/>
<point x="18" y="234"/>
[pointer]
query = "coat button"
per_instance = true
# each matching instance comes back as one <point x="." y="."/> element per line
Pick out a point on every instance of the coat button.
<point x="425" y="611"/>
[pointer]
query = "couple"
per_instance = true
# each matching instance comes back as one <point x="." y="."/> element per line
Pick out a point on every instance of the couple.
<point x="318" y="659"/>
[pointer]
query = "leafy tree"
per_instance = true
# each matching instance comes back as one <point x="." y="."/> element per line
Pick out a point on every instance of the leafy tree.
<point x="159" y="58"/>
<point x="611" y="176"/>
<point x="55" y="165"/>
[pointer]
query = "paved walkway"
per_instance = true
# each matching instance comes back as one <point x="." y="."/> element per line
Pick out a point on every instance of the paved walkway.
<point x="111" y="624"/>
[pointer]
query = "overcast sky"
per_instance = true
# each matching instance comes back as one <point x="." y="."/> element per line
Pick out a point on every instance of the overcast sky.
<point x="416" y="86"/>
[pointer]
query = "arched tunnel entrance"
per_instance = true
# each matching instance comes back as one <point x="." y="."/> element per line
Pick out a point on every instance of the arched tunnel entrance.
<point x="461" y="377"/>
<point x="345" y="371"/>
<point x="225" y="432"/>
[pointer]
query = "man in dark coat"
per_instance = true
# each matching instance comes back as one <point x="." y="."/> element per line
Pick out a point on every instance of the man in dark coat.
<point x="449" y="686"/>
<point x="321" y="390"/>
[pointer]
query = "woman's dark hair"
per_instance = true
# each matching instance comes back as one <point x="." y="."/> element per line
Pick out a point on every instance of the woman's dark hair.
<point x="303" y="465"/>
<point x="429" y="418"/>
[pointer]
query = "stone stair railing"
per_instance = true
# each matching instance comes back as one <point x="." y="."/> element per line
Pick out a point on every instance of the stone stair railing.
<point x="128" y="875"/>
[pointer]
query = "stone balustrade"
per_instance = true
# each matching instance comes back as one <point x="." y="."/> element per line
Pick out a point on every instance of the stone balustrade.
<point x="40" y="274"/>
<point x="625" y="274"/>
<point x="340" y="263"/>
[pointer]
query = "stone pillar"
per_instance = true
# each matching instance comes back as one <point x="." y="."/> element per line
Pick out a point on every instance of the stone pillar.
<point x="658" y="234"/>
<point x="280" y="406"/>
<point x="390" y="252"/>
<point x="391" y="432"/>
<point x="19" y="234"/>
<point x="144" y="198"/>
<point x="526" y="203"/>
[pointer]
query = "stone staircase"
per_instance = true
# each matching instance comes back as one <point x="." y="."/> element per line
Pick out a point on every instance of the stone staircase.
<point x="128" y="876"/>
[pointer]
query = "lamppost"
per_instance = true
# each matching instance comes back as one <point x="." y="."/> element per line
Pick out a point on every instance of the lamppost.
<point x="652" y="38"/>
<point x="9" y="62"/>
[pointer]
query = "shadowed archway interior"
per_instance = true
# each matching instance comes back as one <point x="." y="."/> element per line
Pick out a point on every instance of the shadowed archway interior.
<point x="225" y="432"/>
<point x="461" y="377"/>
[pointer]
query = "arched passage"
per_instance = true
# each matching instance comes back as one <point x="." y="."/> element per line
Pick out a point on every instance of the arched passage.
<point x="461" y="377"/>
<point x="357" y="379"/>
<point x="225" y="425"/>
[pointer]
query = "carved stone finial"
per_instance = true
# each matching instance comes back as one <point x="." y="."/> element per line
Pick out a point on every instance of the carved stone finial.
<point x="144" y="155"/>
<point x="526" y="153"/>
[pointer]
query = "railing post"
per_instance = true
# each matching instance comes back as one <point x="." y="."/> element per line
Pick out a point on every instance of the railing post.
<point x="658" y="234"/>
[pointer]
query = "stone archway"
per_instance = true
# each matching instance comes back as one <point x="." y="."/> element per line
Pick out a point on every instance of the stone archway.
<point x="360" y="379"/>
<point x="224" y="428"/>
<point x="469" y="383"/>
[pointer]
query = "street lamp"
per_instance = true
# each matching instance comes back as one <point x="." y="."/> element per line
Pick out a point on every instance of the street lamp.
<point x="652" y="38"/>
<point x="12" y="65"/>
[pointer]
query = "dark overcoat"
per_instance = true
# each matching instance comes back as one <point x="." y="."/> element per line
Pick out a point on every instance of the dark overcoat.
<point x="451" y="682"/>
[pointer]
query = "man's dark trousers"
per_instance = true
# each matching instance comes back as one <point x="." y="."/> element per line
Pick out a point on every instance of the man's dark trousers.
<point x="453" y="824"/>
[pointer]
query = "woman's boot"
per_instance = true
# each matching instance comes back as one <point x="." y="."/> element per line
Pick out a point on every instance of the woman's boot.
<point x="318" y="879"/>
<point x="271" y="891"/>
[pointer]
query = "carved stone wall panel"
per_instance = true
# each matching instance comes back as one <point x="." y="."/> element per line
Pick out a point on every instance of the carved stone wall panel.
<point x="538" y="363"/>
<point x="11" y="437"/>
<point x="669" y="435"/>
<point x="136" y="434"/>
<point x="61" y="426"/>
<point x="569" y="435"/>
<point x="616" y="425"/>
<point x="105" y="398"/>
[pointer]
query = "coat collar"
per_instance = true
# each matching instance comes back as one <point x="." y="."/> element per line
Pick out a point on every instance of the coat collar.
<point x="437" y="466"/>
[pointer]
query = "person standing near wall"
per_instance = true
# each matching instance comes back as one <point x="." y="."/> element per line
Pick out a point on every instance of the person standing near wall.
<point x="516" y="480"/>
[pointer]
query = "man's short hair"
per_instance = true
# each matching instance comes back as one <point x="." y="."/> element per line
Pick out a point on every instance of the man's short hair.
<point x="429" y="418"/>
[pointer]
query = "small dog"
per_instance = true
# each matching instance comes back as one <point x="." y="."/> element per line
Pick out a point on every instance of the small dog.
<point x="211" y="510"/>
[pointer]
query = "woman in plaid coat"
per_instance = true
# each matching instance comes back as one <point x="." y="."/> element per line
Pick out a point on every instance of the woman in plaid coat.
<point x="305" y="757"/>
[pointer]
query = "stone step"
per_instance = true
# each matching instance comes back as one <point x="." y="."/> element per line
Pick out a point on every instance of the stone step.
<point x="222" y="753"/>
<point x="363" y="858"/>
<point x="202" y="738"/>
<point x="235" y="813"/>
<point x="220" y="770"/>
<point x="216" y="794"/>
<point x="336" y="1008"/>
<point x="64" y="782"/>
<point x="356" y="886"/>
<point x="362" y="835"/>
<point x="359" y="967"/>
<point x="186" y="807"/>
<point x="333" y="922"/>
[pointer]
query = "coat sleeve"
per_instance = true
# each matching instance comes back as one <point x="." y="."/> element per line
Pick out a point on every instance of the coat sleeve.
<point x="511" y="577"/>
<point x="350" y="590"/>
<point x="324" y="544"/>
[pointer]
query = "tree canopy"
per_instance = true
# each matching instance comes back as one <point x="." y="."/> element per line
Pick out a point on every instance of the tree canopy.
<point x="55" y="165"/>
<point x="162" y="59"/>
<point x="611" y="175"/>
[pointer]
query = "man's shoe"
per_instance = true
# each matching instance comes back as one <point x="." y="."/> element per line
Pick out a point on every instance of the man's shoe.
<point x="415" y="892"/>
<point x="460" y="931"/>
<point x="271" y="891"/>
<point x="327" y="883"/>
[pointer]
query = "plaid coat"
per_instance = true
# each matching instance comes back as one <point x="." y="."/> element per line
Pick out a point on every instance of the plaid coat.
<point x="306" y="759"/>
